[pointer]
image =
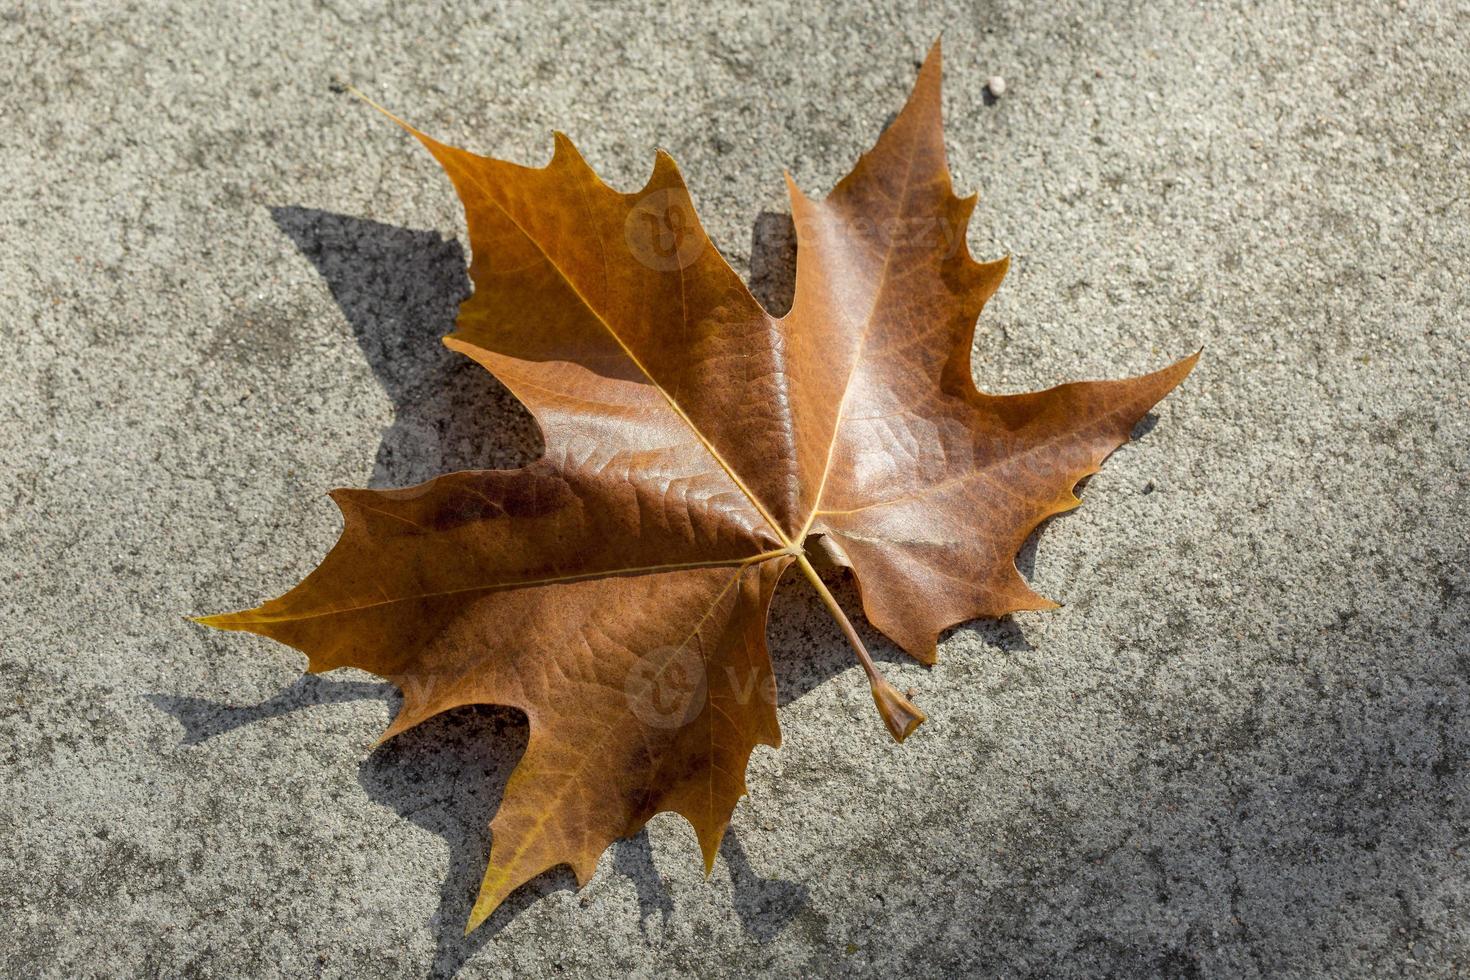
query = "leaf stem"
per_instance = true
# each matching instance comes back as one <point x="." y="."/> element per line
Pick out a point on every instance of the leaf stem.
<point x="900" y="715"/>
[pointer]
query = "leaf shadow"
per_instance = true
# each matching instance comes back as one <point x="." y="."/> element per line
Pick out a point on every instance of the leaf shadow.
<point x="447" y="776"/>
<point x="399" y="290"/>
<point x="203" y="719"/>
<point x="765" y="905"/>
<point x="773" y="261"/>
<point x="633" y="859"/>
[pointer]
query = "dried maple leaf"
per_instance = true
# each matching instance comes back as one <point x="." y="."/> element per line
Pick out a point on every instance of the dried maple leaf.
<point x="616" y="590"/>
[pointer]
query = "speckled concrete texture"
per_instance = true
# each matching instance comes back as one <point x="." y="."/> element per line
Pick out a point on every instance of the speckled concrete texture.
<point x="1240" y="748"/>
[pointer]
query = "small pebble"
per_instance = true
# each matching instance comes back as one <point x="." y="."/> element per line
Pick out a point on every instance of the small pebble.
<point x="996" y="85"/>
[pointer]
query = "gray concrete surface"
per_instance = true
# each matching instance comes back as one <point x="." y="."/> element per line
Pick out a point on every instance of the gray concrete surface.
<point x="1239" y="750"/>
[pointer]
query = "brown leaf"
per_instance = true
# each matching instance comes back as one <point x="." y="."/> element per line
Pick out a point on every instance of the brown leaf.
<point x="616" y="590"/>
